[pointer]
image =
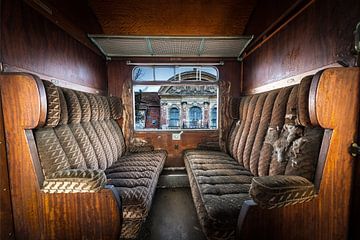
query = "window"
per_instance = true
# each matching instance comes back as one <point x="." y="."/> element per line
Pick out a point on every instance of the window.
<point x="195" y="118"/>
<point x="174" y="118"/>
<point x="175" y="97"/>
<point x="213" y="117"/>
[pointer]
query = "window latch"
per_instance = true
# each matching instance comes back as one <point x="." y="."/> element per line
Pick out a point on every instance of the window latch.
<point x="354" y="150"/>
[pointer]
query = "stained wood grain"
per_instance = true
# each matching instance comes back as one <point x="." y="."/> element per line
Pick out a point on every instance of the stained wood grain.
<point x="326" y="216"/>
<point x="32" y="42"/>
<point x="321" y="35"/>
<point x="177" y="17"/>
<point x="6" y="217"/>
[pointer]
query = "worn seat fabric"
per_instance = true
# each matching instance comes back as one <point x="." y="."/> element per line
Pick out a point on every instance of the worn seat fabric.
<point x="271" y="137"/>
<point x="82" y="148"/>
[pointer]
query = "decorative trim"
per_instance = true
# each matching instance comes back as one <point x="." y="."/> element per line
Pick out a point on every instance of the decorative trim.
<point x="56" y="81"/>
<point x="287" y="81"/>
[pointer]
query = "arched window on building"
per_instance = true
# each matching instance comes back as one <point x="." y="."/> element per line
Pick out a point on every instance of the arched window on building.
<point x="213" y="117"/>
<point x="174" y="118"/>
<point x="195" y="117"/>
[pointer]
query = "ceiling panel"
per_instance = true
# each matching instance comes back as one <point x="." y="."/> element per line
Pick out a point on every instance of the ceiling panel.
<point x="174" y="18"/>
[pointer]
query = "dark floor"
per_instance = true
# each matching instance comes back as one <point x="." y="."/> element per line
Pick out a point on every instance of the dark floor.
<point x="172" y="217"/>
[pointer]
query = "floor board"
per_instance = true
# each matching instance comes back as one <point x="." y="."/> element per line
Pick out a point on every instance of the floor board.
<point x="172" y="216"/>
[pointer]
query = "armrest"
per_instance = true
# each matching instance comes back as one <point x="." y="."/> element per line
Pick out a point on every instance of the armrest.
<point x="278" y="191"/>
<point x="75" y="180"/>
<point x="142" y="148"/>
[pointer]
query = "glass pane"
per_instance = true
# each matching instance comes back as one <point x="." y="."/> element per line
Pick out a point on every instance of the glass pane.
<point x="143" y="74"/>
<point x="190" y="73"/>
<point x="209" y="73"/>
<point x="164" y="73"/>
<point x="176" y="107"/>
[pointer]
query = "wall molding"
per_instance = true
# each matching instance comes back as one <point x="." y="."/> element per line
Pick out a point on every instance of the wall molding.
<point x="289" y="81"/>
<point x="56" y="81"/>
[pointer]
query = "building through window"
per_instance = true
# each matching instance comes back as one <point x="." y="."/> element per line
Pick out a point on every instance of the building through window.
<point x="213" y="117"/>
<point x="180" y="98"/>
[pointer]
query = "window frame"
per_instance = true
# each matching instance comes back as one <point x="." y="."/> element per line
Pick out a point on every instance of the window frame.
<point x="142" y="83"/>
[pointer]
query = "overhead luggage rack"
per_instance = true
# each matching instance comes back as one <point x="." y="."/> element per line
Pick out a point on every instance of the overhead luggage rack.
<point x="171" y="46"/>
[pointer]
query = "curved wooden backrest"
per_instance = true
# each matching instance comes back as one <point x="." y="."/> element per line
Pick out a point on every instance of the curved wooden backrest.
<point x="333" y="105"/>
<point x="39" y="215"/>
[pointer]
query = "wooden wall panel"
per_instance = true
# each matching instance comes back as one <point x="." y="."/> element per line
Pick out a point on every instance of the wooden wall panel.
<point x="262" y="18"/>
<point x="320" y="36"/>
<point x="6" y="216"/>
<point x="31" y="42"/>
<point x="119" y="74"/>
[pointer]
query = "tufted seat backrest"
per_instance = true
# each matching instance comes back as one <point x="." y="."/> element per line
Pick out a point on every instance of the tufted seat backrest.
<point x="273" y="135"/>
<point x="80" y="131"/>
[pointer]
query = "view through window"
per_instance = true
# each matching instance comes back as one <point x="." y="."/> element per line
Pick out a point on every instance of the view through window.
<point x="175" y="97"/>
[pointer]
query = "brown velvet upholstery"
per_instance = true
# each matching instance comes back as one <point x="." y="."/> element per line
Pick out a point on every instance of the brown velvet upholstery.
<point x="81" y="148"/>
<point x="268" y="139"/>
<point x="279" y="191"/>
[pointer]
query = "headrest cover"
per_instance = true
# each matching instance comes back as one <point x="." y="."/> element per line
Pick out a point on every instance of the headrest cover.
<point x="64" y="118"/>
<point x="93" y="106"/>
<point x="101" y="108"/>
<point x="106" y="108"/>
<point x="115" y="107"/>
<point x="73" y="105"/>
<point x="303" y="101"/>
<point x="85" y="106"/>
<point x="53" y="104"/>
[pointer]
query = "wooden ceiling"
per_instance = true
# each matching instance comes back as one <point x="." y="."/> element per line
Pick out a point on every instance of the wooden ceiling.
<point x="173" y="17"/>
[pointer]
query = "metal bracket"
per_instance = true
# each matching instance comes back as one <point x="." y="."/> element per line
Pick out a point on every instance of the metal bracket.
<point x="354" y="150"/>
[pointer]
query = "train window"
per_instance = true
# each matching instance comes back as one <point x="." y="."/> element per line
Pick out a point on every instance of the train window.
<point x="175" y="97"/>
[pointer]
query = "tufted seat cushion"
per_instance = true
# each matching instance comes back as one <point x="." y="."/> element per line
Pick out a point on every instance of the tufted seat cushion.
<point x="136" y="177"/>
<point x="219" y="186"/>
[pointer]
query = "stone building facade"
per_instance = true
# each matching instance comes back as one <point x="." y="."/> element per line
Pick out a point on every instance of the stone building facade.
<point x="188" y="107"/>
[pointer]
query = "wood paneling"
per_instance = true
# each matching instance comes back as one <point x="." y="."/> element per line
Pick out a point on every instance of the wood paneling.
<point x="6" y="217"/>
<point x="320" y="36"/>
<point x="176" y="17"/>
<point x="326" y="216"/>
<point x="262" y="18"/>
<point x="119" y="75"/>
<point x="31" y="42"/>
<point x="79" y="13"/>
<point x="74" y="17"/>
<point x="175" y="149"/>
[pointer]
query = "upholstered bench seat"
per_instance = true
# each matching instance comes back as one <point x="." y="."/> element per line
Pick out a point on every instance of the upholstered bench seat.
<point x="135" y="176"/>
<point x="82" y="149"/>
<point x="219" y="186"/>
<point x="271" y="147"/>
